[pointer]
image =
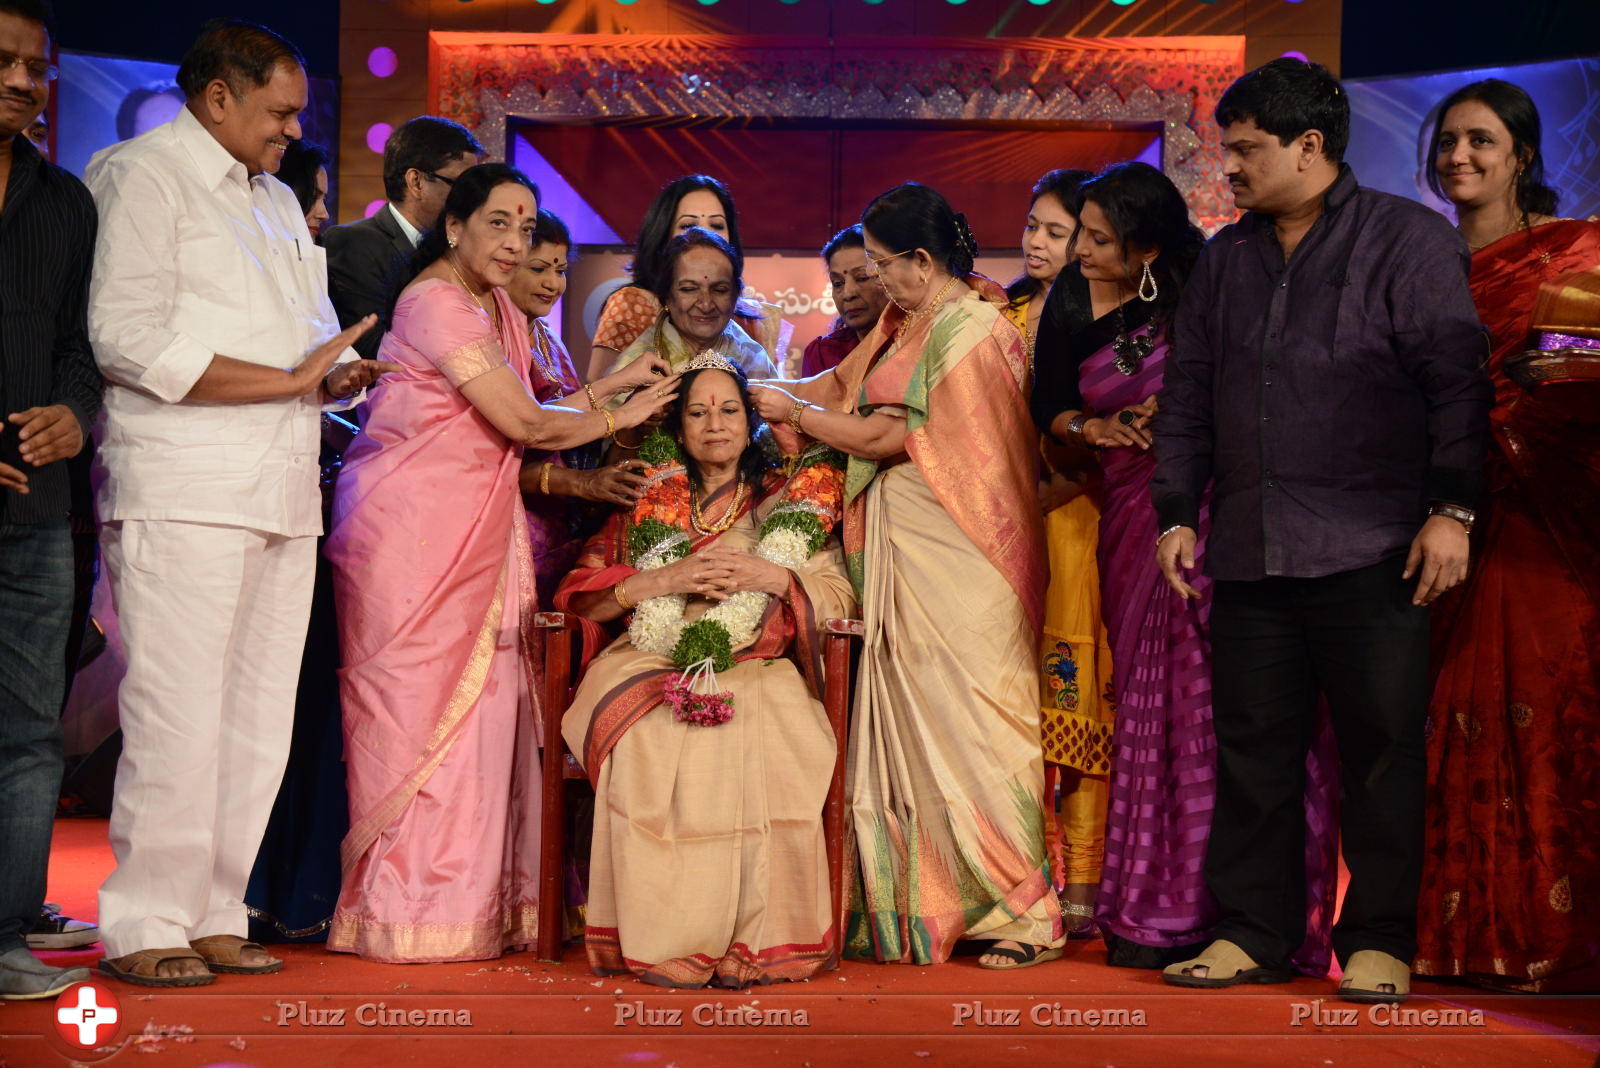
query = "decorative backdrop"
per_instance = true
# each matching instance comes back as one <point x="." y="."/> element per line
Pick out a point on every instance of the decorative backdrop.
<point x="483" y="79"/>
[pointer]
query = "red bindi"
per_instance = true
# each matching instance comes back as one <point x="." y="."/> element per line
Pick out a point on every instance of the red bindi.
<point x="519" y="209"/>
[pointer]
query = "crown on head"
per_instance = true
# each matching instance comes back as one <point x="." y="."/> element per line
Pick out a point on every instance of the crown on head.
<point x="710" y="361"/>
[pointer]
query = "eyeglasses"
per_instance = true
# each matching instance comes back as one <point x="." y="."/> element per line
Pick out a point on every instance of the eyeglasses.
<point x="37" y="69"/>
<point x="879" y="261"/>
<point x="440" y="178"/>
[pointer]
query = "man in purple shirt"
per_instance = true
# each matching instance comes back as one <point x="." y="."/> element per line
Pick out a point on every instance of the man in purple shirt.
<point x="1326" y="381"/>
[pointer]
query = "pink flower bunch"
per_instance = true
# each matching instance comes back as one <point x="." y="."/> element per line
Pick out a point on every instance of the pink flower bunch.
<point x="698" y="709"/>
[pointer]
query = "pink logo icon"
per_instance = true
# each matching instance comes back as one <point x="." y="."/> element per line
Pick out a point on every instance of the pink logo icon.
<point x="87" y="1015"/>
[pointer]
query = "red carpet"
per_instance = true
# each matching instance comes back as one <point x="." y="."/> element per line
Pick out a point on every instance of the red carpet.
<point x="333" y="1009"/>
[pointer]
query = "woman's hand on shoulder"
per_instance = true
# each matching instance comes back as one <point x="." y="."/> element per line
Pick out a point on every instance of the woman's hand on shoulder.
<point x="621" y="483"/>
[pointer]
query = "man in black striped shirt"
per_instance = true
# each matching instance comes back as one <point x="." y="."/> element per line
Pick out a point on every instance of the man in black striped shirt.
<point x="49" y="392"/>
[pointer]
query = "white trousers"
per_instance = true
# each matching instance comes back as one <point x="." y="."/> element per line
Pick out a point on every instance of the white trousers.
<point x="214" y="622"/>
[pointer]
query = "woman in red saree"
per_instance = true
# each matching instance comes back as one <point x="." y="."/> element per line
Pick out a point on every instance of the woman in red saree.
<point x="707" y="864"/>
<point x="1513" y="847"/>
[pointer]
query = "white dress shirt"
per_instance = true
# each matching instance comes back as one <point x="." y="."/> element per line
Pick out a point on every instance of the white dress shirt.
<point x="196" y="258"/>
<point x="413" y="235"/>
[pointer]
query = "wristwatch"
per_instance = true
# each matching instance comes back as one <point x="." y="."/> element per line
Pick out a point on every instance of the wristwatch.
<point x="1465" y="516"/>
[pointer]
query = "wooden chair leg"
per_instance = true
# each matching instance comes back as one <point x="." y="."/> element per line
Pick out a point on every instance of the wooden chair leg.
<point x="553" y="838"/>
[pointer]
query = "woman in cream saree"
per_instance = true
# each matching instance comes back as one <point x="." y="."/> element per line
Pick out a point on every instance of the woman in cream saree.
<point x="945" y="541"/>
<point x="707" y="863"/>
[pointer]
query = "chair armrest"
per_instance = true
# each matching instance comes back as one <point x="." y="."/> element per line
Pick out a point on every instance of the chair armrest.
<point x="846" y="628"/>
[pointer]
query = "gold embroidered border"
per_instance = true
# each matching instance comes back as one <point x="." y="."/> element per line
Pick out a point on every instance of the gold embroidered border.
<point x="468" y="687"/>
<point x="461" y="365"/>
<point x="419" y="942"/>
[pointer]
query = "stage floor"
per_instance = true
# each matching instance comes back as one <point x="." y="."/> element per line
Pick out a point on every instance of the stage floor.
<point x="335" y="1009"/>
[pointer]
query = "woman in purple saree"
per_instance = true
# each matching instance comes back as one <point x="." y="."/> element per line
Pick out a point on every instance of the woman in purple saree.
<point x="1103" y="375"/>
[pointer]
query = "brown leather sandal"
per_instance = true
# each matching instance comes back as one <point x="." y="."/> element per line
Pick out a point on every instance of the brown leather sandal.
<point x="225" y="954"/>
<point x="142" y="968"/>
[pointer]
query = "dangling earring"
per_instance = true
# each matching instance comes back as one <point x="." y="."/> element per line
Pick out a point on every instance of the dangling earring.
<point x="1148" y="279"/>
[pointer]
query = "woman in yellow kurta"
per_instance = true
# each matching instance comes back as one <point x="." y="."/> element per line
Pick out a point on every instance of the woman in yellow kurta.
<point x="945" y="542"/>
<point x="1076" y="705"/>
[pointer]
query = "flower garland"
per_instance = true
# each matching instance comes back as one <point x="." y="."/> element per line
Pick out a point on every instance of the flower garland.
<point x="795" y="529"/>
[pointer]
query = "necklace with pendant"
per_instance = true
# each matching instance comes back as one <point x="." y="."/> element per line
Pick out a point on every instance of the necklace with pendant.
<point x="1129" y="351"/>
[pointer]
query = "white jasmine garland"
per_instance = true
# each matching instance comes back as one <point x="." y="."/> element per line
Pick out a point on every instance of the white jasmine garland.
<point x="658" y="621"/>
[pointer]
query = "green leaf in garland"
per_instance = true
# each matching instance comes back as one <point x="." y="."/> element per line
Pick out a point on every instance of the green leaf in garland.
<point x="824" y="454"/>
<point x="702" y="639"/>
<point x="658" y="449"/>
<point x="644" y="536"/>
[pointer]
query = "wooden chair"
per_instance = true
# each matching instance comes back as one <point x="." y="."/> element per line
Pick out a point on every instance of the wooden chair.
<point x="559" y="765"/>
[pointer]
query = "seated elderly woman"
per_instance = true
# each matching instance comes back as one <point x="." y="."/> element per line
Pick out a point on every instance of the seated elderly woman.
<point x="710" y="755"/>
<point x="698" y="282"/>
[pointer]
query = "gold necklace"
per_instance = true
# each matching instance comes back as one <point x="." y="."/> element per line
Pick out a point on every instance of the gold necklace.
<point x="494" y="318"/>
<point x="1521" y="224"/>
<point x="912" y="317"/>
<point x="728" y="518"/>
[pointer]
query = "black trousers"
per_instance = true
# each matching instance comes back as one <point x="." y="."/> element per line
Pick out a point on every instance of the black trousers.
<point x="1277" y="646"/>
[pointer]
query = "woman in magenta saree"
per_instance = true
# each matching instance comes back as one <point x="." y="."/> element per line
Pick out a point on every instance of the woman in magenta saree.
<point x="1153" y="903"/>
<point x="434" y="579"/>
<point x="1512" y="862"/>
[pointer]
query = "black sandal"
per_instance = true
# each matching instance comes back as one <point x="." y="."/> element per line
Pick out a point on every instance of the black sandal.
<point x="1026" y="957"/>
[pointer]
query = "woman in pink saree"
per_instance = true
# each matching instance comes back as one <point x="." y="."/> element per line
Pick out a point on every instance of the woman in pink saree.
<point x="434" y="580"/>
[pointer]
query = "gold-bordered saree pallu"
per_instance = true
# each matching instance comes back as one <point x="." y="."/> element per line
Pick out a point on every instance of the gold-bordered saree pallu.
<point x="707" y="863"/>
<point x="946" y="776"/>
<point x="433" y="573"/>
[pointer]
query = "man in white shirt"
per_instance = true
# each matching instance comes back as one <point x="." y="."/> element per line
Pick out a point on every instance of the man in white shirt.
<point x="209" y="317"/>
<point x="369" y="261"/>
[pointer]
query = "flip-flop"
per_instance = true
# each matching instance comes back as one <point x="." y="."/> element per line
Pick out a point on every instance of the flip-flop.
<point x="1222" y="955"/>
<point x="1368" y="972"/>
<point x="139" y="968"/>
<point x="1026" y="957"/>
<point x="224" y="953"/>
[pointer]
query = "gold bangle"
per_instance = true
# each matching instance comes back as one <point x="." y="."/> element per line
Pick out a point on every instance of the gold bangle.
<point x="544" y="479"/>
<point x="622" y="597"/>
<point x="611" y="423"/>
<point x="588" y="391"/>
